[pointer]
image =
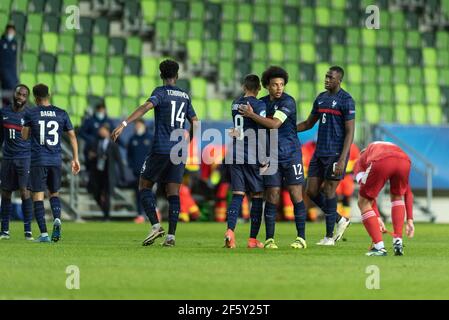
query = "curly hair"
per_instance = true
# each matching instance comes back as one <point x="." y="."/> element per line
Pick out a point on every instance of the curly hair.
<point x="274" y="72"/>
<point x="169" y="69"/>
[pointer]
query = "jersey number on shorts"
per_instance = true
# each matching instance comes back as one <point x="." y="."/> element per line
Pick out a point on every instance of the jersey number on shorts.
<point x="180" y="116"/>
<point x="53" y="133"/>
<point x="298" y="169"/>
<point x="238" y="125"/>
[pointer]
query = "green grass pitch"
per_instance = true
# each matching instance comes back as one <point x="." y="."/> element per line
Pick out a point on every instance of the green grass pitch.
<point x="114" y="265"/>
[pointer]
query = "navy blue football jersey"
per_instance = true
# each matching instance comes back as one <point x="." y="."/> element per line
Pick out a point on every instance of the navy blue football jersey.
<point x="289" y="146"/>
<point x="246" y="152"/>
<point x="46" y="127"/>
<point x="172" y="106"/>
<point x="11" y="134"/>
<point x="334" y="111"/>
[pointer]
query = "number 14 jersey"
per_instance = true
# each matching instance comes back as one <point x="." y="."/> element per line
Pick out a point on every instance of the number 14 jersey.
<point x="46" y="127"/>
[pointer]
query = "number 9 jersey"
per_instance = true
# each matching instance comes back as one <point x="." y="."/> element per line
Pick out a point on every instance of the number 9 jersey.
<point x="46" y="127"/>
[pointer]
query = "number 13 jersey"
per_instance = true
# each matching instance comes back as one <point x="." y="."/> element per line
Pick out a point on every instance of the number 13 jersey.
<point x="46" y="127"/>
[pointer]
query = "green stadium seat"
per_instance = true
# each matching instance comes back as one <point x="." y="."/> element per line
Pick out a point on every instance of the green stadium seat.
<point x="433" y="94"/>
<point x="66" y="43"/>
<point x="398" y="39"/>
<point x="306" y="34"/>
<point x="80" y="84"/>
<point x="51" y="23"/>
<point x="196" y="30"/>
<point x="146" y="84"/>
<point x="413" y="39"/>
<point x="321" y="70"/>
<point x="338" y="54"/>
<point x="399" y="56"/>
<point x="369" y="56"/>
<point x="115" y="66"/>
<point x="63" y="83"/>
<point x="276" y="16"/>
<point x="101" y="26"/>
<point x="322" y="16"/>
<point x="179" y="31"/>
<point x="383" y="38"/>
<point x="385" y="74"/>
<point x="369" y="37"/>
<point x="372" y="113"/>
<point x="403" y="114"/>
<point x="307" y="16"/>
<point x="149" y="10"/>
<point x="417" y="95"/>
<point x="229" y="11"/>
<point x="215" y="109"/>
<point x="385" y="94"/>
<point x="260" y="13"/>
<point x="97" y="85"/>
<point x="46" y="78"/>
<point x="443" y="58"/>
<point x="353" y="54"/>
<point x="400" y="75"/>
<point x="211" y="51"/>
<point x="260" y="32"/>
<point x="114" y="105"/>
<point x="129" y="104"/>
<point x="197" y="10"/>
<point x="244" y="51"/>
<point x="275" y="32"/>
<point x="5" y="6"/>
<point x="163" y="31"/>
<point x="338" y="4"/>
<point x="98" y="65"/>
<point x="431" y="76"/>
<point x="61" y="101"/>
<point x="260" y="51"/>
<point x="150" y="66"/>
<point x="228" y="31"/>
<point x="384" y="56"/>
<point x="34" y="23"/>
<point x="198" y="88"/>
<point x="353" y="37"/>
<point x="257" y="67"/>
<point x="194" y="49"/>
<point x="78" y="106"/>
<point x="20" y="5"/>
<point x="32" y="42"/>
<point x="213" y="11"/>
<point x="227" y="50"/>
<point x="226" y="71"/>
<point x="304" y="108"/>
<point x="114" y="85"/>
<point x="354" y="74"/>
<point x="307" y="52"/>
<point x="82" y="64"/>
<point x="434" y="114"/>
<point x="47" y="62"/>
<point x="50" y="42"/>
<point x="184" y="84"/>
<point x="369" y="74"/>
<point x="387" y="113"/>
<point x="3" y="20"/>
<point x="199" y="105"/>
<point x="414" y="57"/>
<point x="401" y="93"/>
<point x="418" y="113"/>
<point x="291" y="52"/>
<point x="322" y="36"/>
<point x="276" y="51"/>
<point x="131" y="86"/>
<point x="429" y="57"/>
<point x="370" y="93"/>
<point x="245" y="31"/>
<point x="244" y="12"/>
<point x="442" y="40"/>
<point x="397" y="20"/>
<point x="83" y="44"/>
<point x="53" y="6"/>
<point x="164" y="10"/>
<point x="29" y="62"/>
<point x="64" y="63"/>
<point x="100" y="45"/>
<point x="356" y="91"/>
<point x="291" y="34"/>
<point x="307" y="91"/>
<point x="293" y="89"/>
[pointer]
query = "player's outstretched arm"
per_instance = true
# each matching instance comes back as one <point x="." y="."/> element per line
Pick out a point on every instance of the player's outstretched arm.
<point x="138" y="113"/>
<point x="194" y="124"/>
<point x="247" y="111"/>
<point x="25" y="133"/>
<point x="75" y="161"/>
<point x="308" y="124"/>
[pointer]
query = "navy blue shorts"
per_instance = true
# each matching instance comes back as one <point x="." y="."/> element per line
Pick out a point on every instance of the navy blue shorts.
<point x="159" y="168"/>
<point x="246" y="178"/>
<point x="43" y="178"/>
<point x="288" y="174"/>
<point x="15" y="174"/>
<point x="323" y="167"/>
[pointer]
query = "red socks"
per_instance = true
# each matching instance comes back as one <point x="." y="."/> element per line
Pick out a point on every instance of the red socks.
<point x="397" y="217"/>
<point x="371" y="224"/>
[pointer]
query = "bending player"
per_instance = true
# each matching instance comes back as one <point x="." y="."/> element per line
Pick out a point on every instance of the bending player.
<point x="381" y="162"/>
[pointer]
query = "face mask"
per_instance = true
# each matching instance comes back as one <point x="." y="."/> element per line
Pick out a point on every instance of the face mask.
<point x="140" y="131"/>
<point x="10" y="36"/>
<point x="100" y="115"/>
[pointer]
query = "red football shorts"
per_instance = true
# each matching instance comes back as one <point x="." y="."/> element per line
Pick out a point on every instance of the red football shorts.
<point x="396" y="170"/>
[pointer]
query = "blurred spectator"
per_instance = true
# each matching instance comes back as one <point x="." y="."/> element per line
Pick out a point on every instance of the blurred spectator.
<point x="138" y="147"/>
<point x="89" y="129"/>
<point x="8" y="63"/>
<point x="105" y="164"/>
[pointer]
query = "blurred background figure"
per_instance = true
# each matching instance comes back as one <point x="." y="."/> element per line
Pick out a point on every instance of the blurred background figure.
<point x="345" y="189"/>
<point x="8" y="63"/>
<point x="105" y="169"/>
<point x="138" y="145"/>
<point x="89" y="128"/>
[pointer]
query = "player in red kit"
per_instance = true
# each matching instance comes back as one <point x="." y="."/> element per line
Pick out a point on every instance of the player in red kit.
<point x="381" y="162"/>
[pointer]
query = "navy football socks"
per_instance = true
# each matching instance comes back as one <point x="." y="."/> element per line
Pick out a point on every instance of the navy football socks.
<point x="27" y="209"/>
<point x="55" y="205"/>
<point x="148" y="201"/>
<point x="234" y="209"/>
<point x="256" y="216"/>
<point x="174" y="206"/>
<point x="39" y="213"/>
<point x="270" y="219"/>
<point x="300" y="219"/>
<point x="330" y="215"/>
<point x="6" y="213"/>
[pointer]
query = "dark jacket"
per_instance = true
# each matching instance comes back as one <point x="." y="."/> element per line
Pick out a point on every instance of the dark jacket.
<point x="8" y="63"/>
<point x="113" y="165"/>
<point x="137" y="151"/>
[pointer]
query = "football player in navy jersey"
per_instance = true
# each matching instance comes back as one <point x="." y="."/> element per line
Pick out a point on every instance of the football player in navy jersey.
<point x="16" y="161"/>
<point x="172" y="106"/>
<point x="45" y="124"/>
<point x="281" y="115"/>
<point x="335" y="109"/>
<point x="245" y="167"/>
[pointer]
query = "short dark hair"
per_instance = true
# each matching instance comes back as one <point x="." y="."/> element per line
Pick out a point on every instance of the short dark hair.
<point x="105" y="125"/>
<point x="141" y="121"/>
<point x="339" y="70"/>
<point x="169" y="69"/>
<point x="21" y="85"/>
<point x="100" y="105"/>
<point x="274" y="72"/>
<point x="40" y="91"/>
<point x="10" y="26"/>
<point x="251" y="82"/>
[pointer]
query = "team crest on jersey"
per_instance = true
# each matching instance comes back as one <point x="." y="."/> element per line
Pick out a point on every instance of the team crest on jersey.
<point x="276" y="107"/>
<point x="22" y="122"/>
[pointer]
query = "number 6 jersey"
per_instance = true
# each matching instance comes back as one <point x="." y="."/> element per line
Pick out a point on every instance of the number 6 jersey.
<point x="46" y="127"/>
<point x="171" y="107"/>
